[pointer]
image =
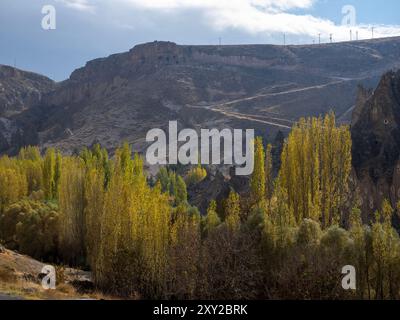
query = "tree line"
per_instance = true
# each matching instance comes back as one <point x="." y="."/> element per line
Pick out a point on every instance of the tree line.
<point x="288" y="237"/>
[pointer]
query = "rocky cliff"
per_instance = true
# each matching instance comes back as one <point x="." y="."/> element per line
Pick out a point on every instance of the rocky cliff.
<point x="264" y="87"/>
<point x="376" y="143"/>
<point x="20" y="90"/>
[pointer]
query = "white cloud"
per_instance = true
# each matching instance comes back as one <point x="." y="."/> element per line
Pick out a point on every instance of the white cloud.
<point x="265" y="16"/>
<point x="223" y="4"/>
<point x="81" y="5"/>
<point x="251" y="16"/>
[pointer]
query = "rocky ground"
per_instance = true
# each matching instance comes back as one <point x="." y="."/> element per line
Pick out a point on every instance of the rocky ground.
<point x="20" y="279"/>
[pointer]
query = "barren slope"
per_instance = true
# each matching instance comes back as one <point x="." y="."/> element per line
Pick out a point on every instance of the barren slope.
<point x="263" y="87"/>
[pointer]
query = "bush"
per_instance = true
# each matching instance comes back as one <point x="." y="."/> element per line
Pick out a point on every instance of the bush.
<point x="196" y="175"/>
<point x="31" y="227"/>
<point x="309" y="233"/>
<point x="336" y="241"/>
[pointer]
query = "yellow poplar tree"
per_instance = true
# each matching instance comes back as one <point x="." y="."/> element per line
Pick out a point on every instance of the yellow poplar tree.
<point x="71" y="205"/>
<point x="232" y="211"/>
<point x="316" y="165"/>
<point x="257" y="182"/>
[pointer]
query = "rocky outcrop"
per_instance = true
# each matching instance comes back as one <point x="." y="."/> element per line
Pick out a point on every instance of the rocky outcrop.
<point x="216" y="186"/>
<point x="20" y="90"/>
<point x="121" y="97"/>
<point x="376" y="144"/>
<point x="22" y="275"/>
<point x="363" y="95"/>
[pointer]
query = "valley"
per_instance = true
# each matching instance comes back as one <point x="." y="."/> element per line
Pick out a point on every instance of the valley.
<point x="265" y="87"/>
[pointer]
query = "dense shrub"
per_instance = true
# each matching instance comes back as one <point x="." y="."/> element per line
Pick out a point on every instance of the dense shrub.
<point x="31" y="227"/>
<point x="141" y="240"/>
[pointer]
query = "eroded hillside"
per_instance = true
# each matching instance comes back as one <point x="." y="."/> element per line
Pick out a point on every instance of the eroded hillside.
<point x="263" y="87"/>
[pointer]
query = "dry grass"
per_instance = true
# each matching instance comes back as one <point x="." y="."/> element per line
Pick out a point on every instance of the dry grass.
<point x="19" y="280"/>
<point x="27" y="290"/>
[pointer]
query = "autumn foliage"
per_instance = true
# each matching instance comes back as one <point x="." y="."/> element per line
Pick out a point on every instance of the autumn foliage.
<point x="288" y="237"/>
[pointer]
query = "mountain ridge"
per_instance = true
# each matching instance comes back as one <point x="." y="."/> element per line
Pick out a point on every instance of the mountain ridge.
<point x="265" y="87"/>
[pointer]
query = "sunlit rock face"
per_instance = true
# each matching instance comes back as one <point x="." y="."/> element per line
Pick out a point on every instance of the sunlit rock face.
<point x="376" y="144"/>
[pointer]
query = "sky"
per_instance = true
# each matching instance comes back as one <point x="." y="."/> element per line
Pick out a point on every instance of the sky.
<point x="89" y="29"/>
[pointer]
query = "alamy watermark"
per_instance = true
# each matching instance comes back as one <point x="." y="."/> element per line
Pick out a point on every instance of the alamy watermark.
<point x="349" y="280"/>
<point x="198" y="150"/>
<point x="49" y="279"/>
<point x="349" y="16"/>
<point x="49" y="21"/>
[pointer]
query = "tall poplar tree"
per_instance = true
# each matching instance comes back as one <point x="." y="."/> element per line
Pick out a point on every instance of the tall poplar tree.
<point x="257" y="182"/>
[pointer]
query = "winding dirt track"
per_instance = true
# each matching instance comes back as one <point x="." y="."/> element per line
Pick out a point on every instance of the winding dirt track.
<point x="272" y="120"/>
<point x="243" y="116"/>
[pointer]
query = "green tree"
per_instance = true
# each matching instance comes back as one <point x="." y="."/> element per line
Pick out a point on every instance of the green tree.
<point x="315" y="170"/>
<point x="181" y="191"/>
<point x="72" y="204"/>
<point x="49" y="165"/>
<point x="232" y="211"/>
<point x="258" y="178"/>
<point x="212" y="220"/>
